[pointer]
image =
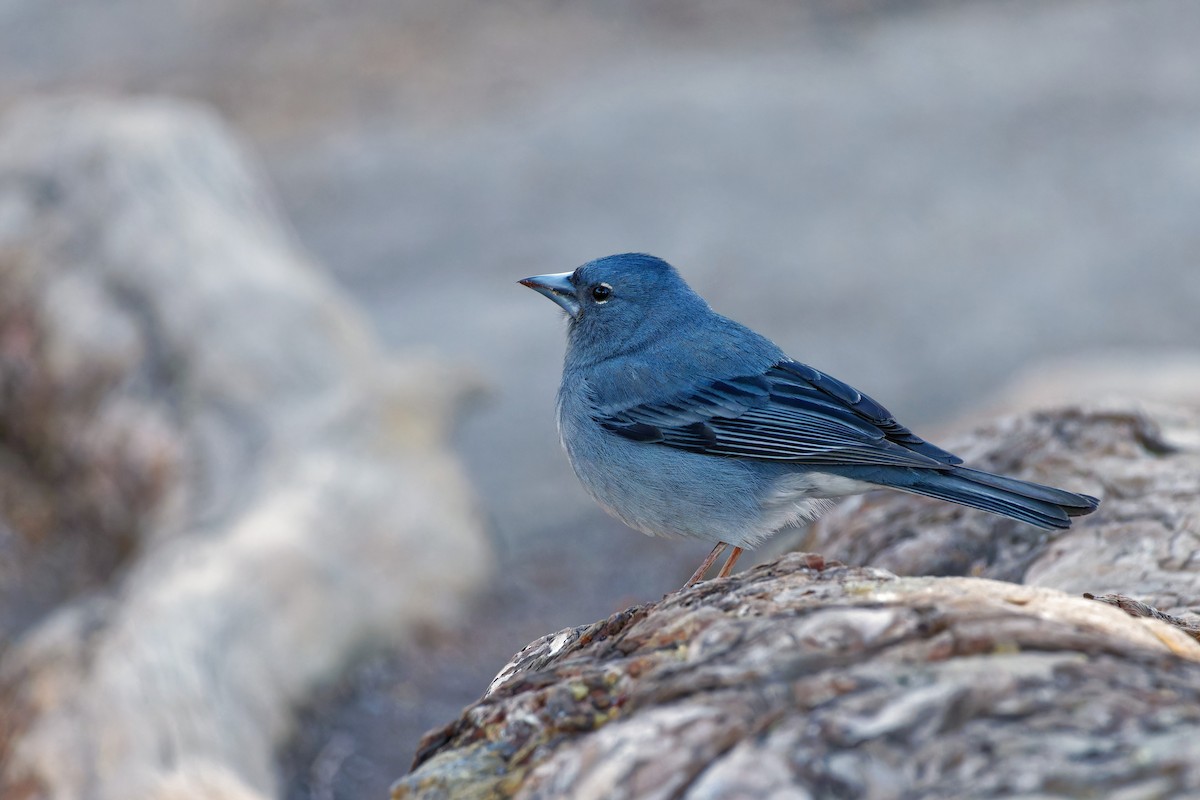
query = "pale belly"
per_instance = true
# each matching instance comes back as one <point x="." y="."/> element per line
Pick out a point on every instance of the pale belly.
<point x="664" y="491"/>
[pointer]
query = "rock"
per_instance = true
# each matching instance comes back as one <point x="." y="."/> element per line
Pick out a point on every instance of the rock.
<point x="809" y="678"/>
<point x="1136" y="608"/>
<point x="1143" y="541"/>
<point x="225" y="489"/>
<point x="1131" y="377"/>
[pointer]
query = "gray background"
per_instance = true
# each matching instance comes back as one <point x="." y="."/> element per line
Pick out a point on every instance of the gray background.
<point x="921" y="198"/>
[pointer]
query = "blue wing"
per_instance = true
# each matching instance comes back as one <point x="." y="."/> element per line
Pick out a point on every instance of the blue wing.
<point x="791" y="413"/>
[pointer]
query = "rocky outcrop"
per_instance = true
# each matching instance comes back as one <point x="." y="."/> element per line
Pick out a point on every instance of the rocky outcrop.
<point x="1143" y="542"/>
<point x="830" y="681"/>
<point x="217" y="487"/>
<point x="810" y="678"/>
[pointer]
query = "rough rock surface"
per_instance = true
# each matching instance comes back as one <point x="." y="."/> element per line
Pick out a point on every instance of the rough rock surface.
<point x="807" y="678"/>
<point x="1144" y="540"/>
<point x="829" y="681"/>
<point x="216" y="486"/>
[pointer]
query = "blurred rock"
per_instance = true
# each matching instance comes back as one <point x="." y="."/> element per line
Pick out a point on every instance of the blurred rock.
<point x="207" y="461"/>
<point x="1132" y="377"/>
<point x="807" y="678"/>
<point x="1136" y="608"/>
<point x="1144" y="541"/>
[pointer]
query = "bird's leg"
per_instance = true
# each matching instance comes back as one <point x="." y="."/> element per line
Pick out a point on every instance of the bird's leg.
<point x="708" y="562"/>
<point x="725" y="570"/>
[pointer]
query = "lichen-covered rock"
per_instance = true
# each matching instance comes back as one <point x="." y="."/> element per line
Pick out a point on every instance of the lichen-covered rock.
<point x="215" y="487"/>
<point x="806" y="679"/>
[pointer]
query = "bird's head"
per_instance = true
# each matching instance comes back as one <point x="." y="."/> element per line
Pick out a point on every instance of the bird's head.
<point x="617" y="300"/>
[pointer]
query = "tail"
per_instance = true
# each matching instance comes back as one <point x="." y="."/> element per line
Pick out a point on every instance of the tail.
<point x="1043" y="506"/>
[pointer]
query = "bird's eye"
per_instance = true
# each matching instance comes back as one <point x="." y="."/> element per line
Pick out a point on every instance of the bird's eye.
<point x="601" y="292"/>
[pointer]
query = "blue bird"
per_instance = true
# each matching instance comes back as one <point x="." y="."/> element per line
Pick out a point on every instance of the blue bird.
<point x="681" y="422"/>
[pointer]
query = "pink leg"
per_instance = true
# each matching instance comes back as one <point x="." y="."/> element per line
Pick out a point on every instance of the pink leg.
<point x="733" y="557"/>
<point x="708" y="562"/>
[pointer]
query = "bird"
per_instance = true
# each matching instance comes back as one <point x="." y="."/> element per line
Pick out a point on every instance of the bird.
<point x="683" y="423"/>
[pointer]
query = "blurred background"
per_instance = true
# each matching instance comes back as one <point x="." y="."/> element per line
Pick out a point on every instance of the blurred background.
<point x="922" y="198"/>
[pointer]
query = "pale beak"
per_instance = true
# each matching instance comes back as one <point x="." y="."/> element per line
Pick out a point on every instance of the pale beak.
<point x="557" y="287"/>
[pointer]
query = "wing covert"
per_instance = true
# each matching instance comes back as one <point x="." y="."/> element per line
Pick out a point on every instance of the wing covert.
<point x="791" y="413"/>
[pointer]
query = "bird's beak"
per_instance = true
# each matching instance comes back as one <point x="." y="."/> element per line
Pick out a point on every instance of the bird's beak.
<point x="557" y="287"/>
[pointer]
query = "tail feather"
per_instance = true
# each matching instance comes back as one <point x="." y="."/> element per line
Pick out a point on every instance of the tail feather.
<point x="1043" y="506"/>
<point x="1075" y="505"/>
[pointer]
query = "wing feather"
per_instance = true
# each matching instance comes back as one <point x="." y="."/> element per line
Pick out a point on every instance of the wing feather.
<point x="791" y="413"/>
